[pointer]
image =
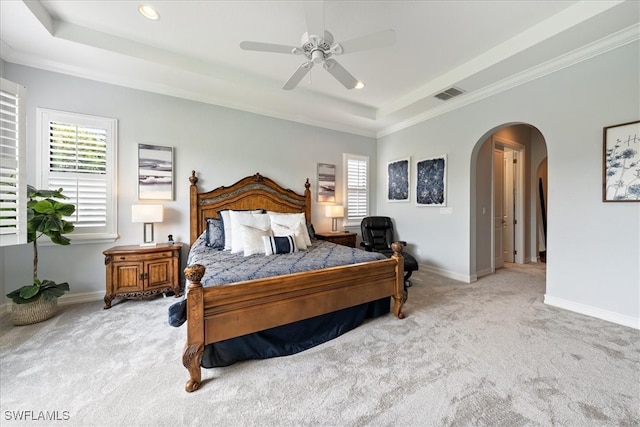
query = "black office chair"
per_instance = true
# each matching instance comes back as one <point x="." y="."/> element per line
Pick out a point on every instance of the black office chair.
<point x="377" y="236"/>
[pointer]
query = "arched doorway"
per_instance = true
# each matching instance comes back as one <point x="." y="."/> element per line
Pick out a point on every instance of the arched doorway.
<point x="524" y="144"/>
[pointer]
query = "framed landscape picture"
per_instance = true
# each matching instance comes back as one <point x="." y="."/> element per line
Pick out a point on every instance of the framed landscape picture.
<point x="155" y="172"/>
<point x="398" y="180"/>
<point x="326" y="183"/>
<point x="621" y="163"/>
<point x="431" y="181"/>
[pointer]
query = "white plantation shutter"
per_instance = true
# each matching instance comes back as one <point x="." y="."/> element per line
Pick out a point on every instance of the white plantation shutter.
<point x="357" y="187"/>
<point x="78" y="155"/>
<point x="13" y="178"/>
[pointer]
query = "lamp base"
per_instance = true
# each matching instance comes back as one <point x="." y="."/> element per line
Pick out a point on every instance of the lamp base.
<point x="148" y="245"/>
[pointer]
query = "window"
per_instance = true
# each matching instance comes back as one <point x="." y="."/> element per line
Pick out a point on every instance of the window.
<point x="78" y="154"/>
<point x="357" y="188"/>
<point x="13" y="161"/>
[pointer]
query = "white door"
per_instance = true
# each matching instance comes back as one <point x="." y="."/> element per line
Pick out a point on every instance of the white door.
<point x="509" y="206"/>
<point x="498" y="207"/>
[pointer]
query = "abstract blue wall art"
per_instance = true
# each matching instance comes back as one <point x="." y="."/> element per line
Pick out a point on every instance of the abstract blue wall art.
<point x="398" y="180"/>
<point x="431" y="185"/>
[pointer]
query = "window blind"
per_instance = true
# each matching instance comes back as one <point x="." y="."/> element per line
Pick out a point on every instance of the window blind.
<point x="78" y="165"/>
<point x="357" y="187"/>
<point x="13" y="186"/>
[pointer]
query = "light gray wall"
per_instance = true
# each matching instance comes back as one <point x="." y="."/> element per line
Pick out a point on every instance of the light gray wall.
<point x="221" y="144"/>
<point x="593" y="247"/>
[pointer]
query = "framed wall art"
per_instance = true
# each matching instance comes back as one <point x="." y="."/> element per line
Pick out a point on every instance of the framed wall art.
<point x="431" y="181"/>
<point x="398" y="180"/>
<point x="326" y="183"/>
<point x="155" y="172"/>
<point x="621" y="163"/>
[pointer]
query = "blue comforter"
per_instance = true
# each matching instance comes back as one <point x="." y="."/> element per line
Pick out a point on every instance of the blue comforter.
<point x="224" y="267"/>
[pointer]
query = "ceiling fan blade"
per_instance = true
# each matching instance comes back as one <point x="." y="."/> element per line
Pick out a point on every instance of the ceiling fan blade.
<point x="342" y="75"/>
<point x="298" y="75"/>
<point x="314" y="16"/>
<point x="268" y="47"/>
<point x="380" y="39"/>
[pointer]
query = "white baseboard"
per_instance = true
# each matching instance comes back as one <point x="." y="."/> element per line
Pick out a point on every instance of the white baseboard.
<point x="609" y="316"/>
<point x="450" y="274"/>
<point x="485" y="272"/>
<point x="71" y="298"/>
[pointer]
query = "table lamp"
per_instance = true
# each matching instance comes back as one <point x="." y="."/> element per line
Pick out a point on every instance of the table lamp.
<point x="334" y="212"/>
<point x="147" y="214"/>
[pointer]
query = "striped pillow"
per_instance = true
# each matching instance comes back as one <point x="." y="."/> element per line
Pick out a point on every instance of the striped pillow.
<point x="279" y="245"/>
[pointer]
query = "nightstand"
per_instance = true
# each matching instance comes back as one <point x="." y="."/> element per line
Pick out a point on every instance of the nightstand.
<point x="135" y="272"/>
<point x="341" y="238"/>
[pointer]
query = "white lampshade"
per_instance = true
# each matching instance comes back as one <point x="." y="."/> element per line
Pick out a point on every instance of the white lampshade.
<point x="334" y="211"/>
<point x="146" y="213"/>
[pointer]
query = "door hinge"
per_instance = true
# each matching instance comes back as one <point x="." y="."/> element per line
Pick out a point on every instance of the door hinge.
<point x="515" y="221"/>
<point x="515" y="160"/>
<point x="515" y="252"/>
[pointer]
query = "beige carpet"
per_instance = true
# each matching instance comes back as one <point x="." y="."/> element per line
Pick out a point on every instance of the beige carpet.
<point x="483" y="354"/>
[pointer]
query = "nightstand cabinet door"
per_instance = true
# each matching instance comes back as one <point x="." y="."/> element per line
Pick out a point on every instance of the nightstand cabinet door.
<point x="159" y="274"/>
<point x="128" y="276"/>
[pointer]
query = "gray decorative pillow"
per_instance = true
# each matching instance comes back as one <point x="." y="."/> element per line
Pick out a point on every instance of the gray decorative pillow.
<point x="312" y="231"/>
<point x="215" y="234"/>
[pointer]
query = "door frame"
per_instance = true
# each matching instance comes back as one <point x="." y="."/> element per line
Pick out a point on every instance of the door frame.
<point x="520" y="189"/>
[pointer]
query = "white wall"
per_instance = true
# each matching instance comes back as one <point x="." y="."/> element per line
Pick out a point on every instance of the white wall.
<point x="594" y="247"/>
<point x="222" y="145"/>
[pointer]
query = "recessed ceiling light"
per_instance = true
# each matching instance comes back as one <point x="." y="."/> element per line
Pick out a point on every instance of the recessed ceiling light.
<point x="149" y="12"/>
<point x="359" y="85"/>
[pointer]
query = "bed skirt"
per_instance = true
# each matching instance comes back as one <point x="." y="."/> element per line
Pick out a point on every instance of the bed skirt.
<point x="292" y="338"/>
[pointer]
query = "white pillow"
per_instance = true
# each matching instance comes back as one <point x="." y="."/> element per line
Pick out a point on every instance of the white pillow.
<point x="225" y="216"/>
<point x="238" y="218"/>
<point x="252" y="239"/>
<point x="290" y="220"/>
<point x="226" y="225"/>
<point x="295" y="231"/>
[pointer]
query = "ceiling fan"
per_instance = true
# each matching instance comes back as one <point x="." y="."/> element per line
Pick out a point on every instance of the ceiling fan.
<point x="318" y="46"/>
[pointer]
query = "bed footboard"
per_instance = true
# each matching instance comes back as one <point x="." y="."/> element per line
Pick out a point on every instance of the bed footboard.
<point x="226" y="311"/>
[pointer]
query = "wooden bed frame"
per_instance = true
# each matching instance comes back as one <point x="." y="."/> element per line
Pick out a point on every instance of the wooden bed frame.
<point x="228" y="311"/>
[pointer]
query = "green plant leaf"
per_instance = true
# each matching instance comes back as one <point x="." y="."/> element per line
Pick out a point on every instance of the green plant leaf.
<point x="64" y="209"/>
<point x="27" y="292"/>
<point x="44" y="207"/>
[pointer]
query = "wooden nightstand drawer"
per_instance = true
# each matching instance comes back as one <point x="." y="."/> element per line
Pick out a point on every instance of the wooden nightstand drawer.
<point x="342" y="238"/>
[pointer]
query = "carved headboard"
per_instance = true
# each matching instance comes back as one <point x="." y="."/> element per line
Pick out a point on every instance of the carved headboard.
<point x="253" y="192"/>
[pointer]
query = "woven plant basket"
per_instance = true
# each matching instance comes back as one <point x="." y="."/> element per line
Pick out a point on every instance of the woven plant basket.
<point x="33" y="312"/>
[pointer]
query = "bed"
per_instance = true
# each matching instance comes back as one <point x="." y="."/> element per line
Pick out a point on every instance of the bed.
<point x="232" y="311"/>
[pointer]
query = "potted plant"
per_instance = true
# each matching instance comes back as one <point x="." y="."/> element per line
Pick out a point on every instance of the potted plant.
<point x="39" y="301"/>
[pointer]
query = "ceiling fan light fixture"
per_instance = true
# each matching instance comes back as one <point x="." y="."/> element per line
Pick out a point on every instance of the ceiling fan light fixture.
<point x="148" y="12"/>
<point x="317" y="56"/>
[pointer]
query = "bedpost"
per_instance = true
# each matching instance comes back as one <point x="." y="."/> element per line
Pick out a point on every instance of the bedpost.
<point x="400" y="294"/>
<point x="194" y="347"/>
<point x="193" y="208"/>
<point x="307" y="203"/>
